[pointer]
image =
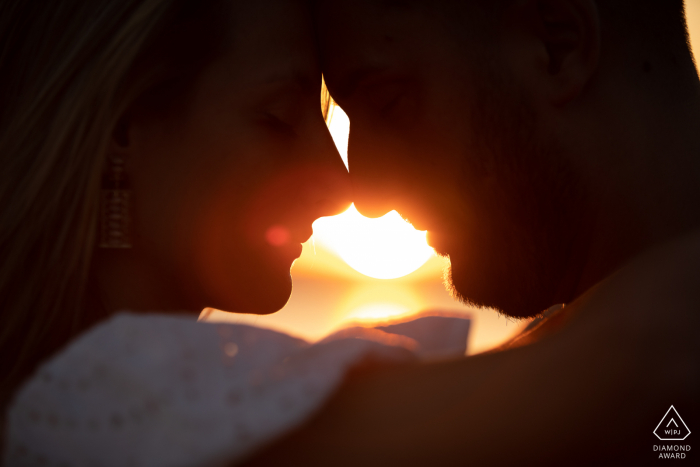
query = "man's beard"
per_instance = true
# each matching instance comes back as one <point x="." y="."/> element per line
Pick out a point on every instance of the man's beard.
<point x="512" y="252"/>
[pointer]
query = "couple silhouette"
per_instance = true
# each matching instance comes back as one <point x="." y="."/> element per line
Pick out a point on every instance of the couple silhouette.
<point x="549" y="147"/>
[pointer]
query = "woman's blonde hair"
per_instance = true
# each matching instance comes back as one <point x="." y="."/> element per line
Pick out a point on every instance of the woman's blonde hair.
<point x="68" y="70"/>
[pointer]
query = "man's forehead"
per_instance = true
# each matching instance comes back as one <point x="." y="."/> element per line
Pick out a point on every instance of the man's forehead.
<point x="273" y="41"/>
<point x="362" y="37"/>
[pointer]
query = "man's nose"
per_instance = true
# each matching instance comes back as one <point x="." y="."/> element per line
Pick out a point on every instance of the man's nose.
<point x="328" y="191"/>
<point x="373" y="181"/>
<point x="370" y="200"/>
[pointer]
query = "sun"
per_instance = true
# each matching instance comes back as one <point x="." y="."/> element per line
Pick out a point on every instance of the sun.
<point x="384" y="248"/>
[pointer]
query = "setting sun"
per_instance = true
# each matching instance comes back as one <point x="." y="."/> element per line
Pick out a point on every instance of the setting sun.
<point x="383" y="248"/>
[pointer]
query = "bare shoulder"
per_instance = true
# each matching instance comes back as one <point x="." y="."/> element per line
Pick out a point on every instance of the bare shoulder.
<point x="668" y="275"/>
<point x="655" y="298"/>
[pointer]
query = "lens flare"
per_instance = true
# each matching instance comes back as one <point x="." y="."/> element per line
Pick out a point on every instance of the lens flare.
<point x="277" y="235"/>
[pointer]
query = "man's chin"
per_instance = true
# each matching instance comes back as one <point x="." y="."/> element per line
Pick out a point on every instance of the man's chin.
<point x="477" y="291"/>
<point x="437" y="242"/>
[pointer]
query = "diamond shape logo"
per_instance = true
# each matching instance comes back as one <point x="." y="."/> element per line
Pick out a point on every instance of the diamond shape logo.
<point x="671" y="427"/>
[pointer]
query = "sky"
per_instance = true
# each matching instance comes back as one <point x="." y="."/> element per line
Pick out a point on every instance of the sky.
<point x="328" y="293"/>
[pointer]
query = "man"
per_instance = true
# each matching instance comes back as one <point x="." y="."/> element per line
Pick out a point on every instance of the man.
<point x="552" y="149"/>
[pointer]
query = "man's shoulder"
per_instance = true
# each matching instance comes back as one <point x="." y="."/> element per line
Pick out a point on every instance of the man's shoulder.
<point x="649" y="303"/>
<point x="661" y="285"/>
<point x="648" y="314"/>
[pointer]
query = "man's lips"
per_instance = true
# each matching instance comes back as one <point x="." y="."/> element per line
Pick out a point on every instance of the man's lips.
<point x="433" y="238"/>
<point x="430" y="238"/>
<point x="437" y="242"/>
<point x="418" y="221"/>
<point x="418" y="225"/>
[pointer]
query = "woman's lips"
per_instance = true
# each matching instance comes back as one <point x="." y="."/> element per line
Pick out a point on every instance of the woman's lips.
<point x="284" y="242"/>
<point x="292" y="252"/>
<point x="305" y="236"/>
<point x="296" y="248"/>
<point x="280" y="235"/>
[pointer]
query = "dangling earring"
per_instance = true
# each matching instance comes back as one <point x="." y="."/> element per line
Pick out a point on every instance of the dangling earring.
<point x="115" y="220"/>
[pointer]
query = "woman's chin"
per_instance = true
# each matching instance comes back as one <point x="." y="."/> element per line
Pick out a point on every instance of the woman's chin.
<point x="262" y="297"/>
<point x="255" y="280"/>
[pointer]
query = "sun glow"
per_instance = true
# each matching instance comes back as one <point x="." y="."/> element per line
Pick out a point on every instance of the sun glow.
<point x="384" y="248"/>
<point x="378" y="301"/>
<point x="378" y="311"/>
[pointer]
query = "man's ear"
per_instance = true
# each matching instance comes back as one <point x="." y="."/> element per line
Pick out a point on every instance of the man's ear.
<point x="553" y="46"/>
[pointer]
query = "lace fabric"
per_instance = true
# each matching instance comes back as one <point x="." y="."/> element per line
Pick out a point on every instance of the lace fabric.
<point x="162" y="390"/>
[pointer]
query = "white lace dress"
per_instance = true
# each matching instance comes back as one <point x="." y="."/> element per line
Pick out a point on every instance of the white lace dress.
<point x="161" y="390"/>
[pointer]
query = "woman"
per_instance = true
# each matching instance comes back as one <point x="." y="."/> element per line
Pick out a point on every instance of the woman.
<point x="156" y="155"/>
<point x="160" y="155"/>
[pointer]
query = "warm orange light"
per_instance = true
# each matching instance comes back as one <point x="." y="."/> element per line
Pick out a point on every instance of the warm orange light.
<point x="378" y="311"/>
<point x="277" y="235"/>
<point x="378" y="301"/>
<point x="383" y="248"/>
